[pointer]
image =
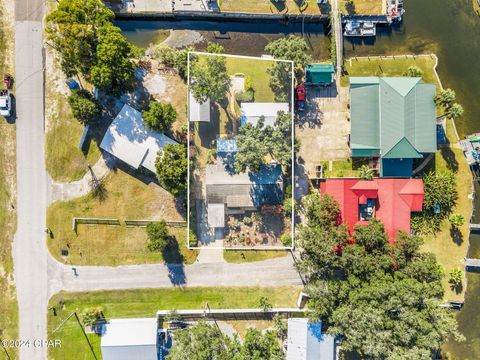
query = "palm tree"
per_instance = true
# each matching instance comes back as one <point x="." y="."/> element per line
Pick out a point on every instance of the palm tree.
<point x="365" y="173"/>
<point x="445" y="98"/>
<point x="456" y="277"/>
<point x="413" y="71"/>
<point x="456" y="220"/>
<point x="454" y="112"/>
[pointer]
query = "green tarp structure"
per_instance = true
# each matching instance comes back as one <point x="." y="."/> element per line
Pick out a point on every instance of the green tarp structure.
<point x="319" y="74"/>
<point x="392" y="117"/>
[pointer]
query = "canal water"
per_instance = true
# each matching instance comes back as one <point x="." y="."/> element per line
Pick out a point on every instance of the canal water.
<point x="447" y="27"/>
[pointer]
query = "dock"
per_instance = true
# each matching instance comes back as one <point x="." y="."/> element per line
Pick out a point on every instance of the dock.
<point x="472" y="264"/>
<point x="474" y="227"/>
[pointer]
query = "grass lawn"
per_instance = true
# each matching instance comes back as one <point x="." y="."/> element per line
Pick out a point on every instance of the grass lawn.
<point x="8" y="302"/>
<point x="389" y="67"/>
<point x="256" y="70"/>
<point x="270" y="7"/>
<point x="450" y="253"/>
<point x="145" y="303"/>
<point x="64" y="160"/>
<point x="361" y="7"/>
<point x="127" y="198"/>
<point x="238" y="256"/>
<point x="342" y="168"/>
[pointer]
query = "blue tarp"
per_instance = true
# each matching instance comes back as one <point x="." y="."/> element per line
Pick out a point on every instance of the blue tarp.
<point x="226" y="146"/>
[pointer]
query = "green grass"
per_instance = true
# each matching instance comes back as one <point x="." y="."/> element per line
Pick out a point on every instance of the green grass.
<point x="343" y="168"/>
<point x="389" y="67"/>
<point x="127" y="198"/>
<point x="8" y="302"/>
<point x="256" y="70"/>
<point x="64" y="160"/>
<point x="269" y="7"/>
<point x="448" y="252"/>
<point x="238" y="256"/>
<point x="362" y="7"/>
<point x="145" y="303"/>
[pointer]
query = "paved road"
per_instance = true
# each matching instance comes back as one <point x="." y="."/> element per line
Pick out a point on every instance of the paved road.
<point x="29" y="251"/>
<point x="275" y="272"/>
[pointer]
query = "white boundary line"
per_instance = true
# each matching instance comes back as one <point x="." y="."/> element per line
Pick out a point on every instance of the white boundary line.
<point x="292" y="105"/>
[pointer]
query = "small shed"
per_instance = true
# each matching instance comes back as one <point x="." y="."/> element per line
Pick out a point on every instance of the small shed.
<point x="251" y="112"/>
<point x="130" y="339"/>
<point x="198" y="112"/>
<point x="319" y="74"/>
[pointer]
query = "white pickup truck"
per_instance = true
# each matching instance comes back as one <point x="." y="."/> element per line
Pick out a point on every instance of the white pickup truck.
<point x="5" y="103"/>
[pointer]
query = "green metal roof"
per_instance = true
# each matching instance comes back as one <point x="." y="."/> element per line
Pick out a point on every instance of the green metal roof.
<point x="319" y="74"/>
<point x="395" y="115"/>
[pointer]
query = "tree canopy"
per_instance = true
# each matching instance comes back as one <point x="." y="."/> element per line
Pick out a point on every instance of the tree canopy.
<point x="382" y="297"/>
<point x="203" y="341"/>
<point x="158" y="236"/>
<point x="209" y="76"/>
<point x="159" y="117"/>
<point x="255" y="142"/>
<point x="293" y="48"/>
<point x="82" y="33"/>
<point x="171" y="168"/>
<point x="84" y="106"/>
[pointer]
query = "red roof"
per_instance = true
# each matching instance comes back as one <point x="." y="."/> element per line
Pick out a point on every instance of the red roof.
<point x="395" y="199"/>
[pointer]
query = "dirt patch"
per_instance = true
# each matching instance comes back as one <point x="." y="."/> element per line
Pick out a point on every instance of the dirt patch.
<point x="182" y="38"/>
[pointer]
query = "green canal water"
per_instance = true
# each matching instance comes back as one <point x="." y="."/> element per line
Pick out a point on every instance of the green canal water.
<point x="447" y="27"/>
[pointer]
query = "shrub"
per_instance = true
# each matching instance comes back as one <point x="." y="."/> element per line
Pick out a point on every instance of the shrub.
<point x="287" y="206"/>
<point x="413" y="71"/>
<point x="264" y="303"/>
<point x="286" y="240"/>
<point x="456" y="277"/>
<point x="365" y="172"/>
<point x="85" y="107"/>
<point x="158" y="236"/>
<point x="91" y="315"/>
<point x="245" y="96"/>
<point x="165" y="54"/>
<point x="159" y="117"/>
<point x="456" y="220"/>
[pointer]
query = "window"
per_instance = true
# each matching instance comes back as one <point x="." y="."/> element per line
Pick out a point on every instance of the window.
<point x="367" y="211"/>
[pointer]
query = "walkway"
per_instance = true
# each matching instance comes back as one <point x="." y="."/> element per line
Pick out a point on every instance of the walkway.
<point x="337" y="27"/>
<point x="29" y="248"/>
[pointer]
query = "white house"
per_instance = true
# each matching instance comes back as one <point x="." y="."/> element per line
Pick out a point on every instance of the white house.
<point x="130" y="339"/>
<point x="197" y="111"/>
<point x="251" y="112"/>
<point x="305" y="341"/>
<point x="128" y="139"/>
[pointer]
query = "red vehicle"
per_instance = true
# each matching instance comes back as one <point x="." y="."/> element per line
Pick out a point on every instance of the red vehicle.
<point x="300" y="94"/>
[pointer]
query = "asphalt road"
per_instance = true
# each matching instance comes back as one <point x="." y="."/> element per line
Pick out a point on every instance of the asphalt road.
<point x="29" y="249"/>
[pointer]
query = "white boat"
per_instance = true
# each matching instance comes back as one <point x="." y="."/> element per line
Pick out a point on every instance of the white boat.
<point x="360" y="28"/>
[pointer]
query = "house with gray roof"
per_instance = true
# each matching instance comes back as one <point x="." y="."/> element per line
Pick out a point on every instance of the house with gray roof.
<point x="229" y="192"/>
<point x="393" y="119"/>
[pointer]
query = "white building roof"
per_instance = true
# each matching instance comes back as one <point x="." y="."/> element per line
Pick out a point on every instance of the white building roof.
<point x="216" y="215"/>
<point x="197" y="111"/>
<point x="305" y="341"/>
<point x="253" y="111"/>
<point x="130" y="339"/>
<point x="131" y="141"/>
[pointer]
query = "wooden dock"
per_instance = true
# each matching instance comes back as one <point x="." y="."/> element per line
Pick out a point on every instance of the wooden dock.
<point x="472" y="263"/>
<point x="474" y="227"/>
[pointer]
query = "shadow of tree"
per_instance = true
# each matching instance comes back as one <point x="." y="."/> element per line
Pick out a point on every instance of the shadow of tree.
<point x="457" y="288"/>
<point x="350" y="7"/>
<point x="279" y="5"/>
<point x="174" y="261"/>
<point x="456" y="235"/>
<point x="449" y="157"/>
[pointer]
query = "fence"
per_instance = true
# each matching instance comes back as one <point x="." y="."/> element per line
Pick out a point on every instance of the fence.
<point x="143" y="223"/>
<point x="93" y="221"/>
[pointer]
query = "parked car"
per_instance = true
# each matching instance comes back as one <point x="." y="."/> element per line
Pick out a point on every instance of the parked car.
<point x="300" y="95"/>
<point x="5" y="103"/>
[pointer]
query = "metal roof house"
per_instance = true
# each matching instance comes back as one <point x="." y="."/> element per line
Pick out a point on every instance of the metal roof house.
<point x="319" y="74"/>
<point x="232" y="193"/>
<point x="305" y="341"/>
<point x="196" y="111"/>
<point x="251" y="112"/>
<point x="130" y="339"/>
<point x="390" y="200"/>
<point x="128" y="139"/>
<point x="392" y="118"/>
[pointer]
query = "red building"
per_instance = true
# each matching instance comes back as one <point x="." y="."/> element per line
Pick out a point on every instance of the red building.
<point x="390" y="200"/>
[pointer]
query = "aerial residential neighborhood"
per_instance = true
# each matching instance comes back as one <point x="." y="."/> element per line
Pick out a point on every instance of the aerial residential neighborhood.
<point x="239" y="180"/>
